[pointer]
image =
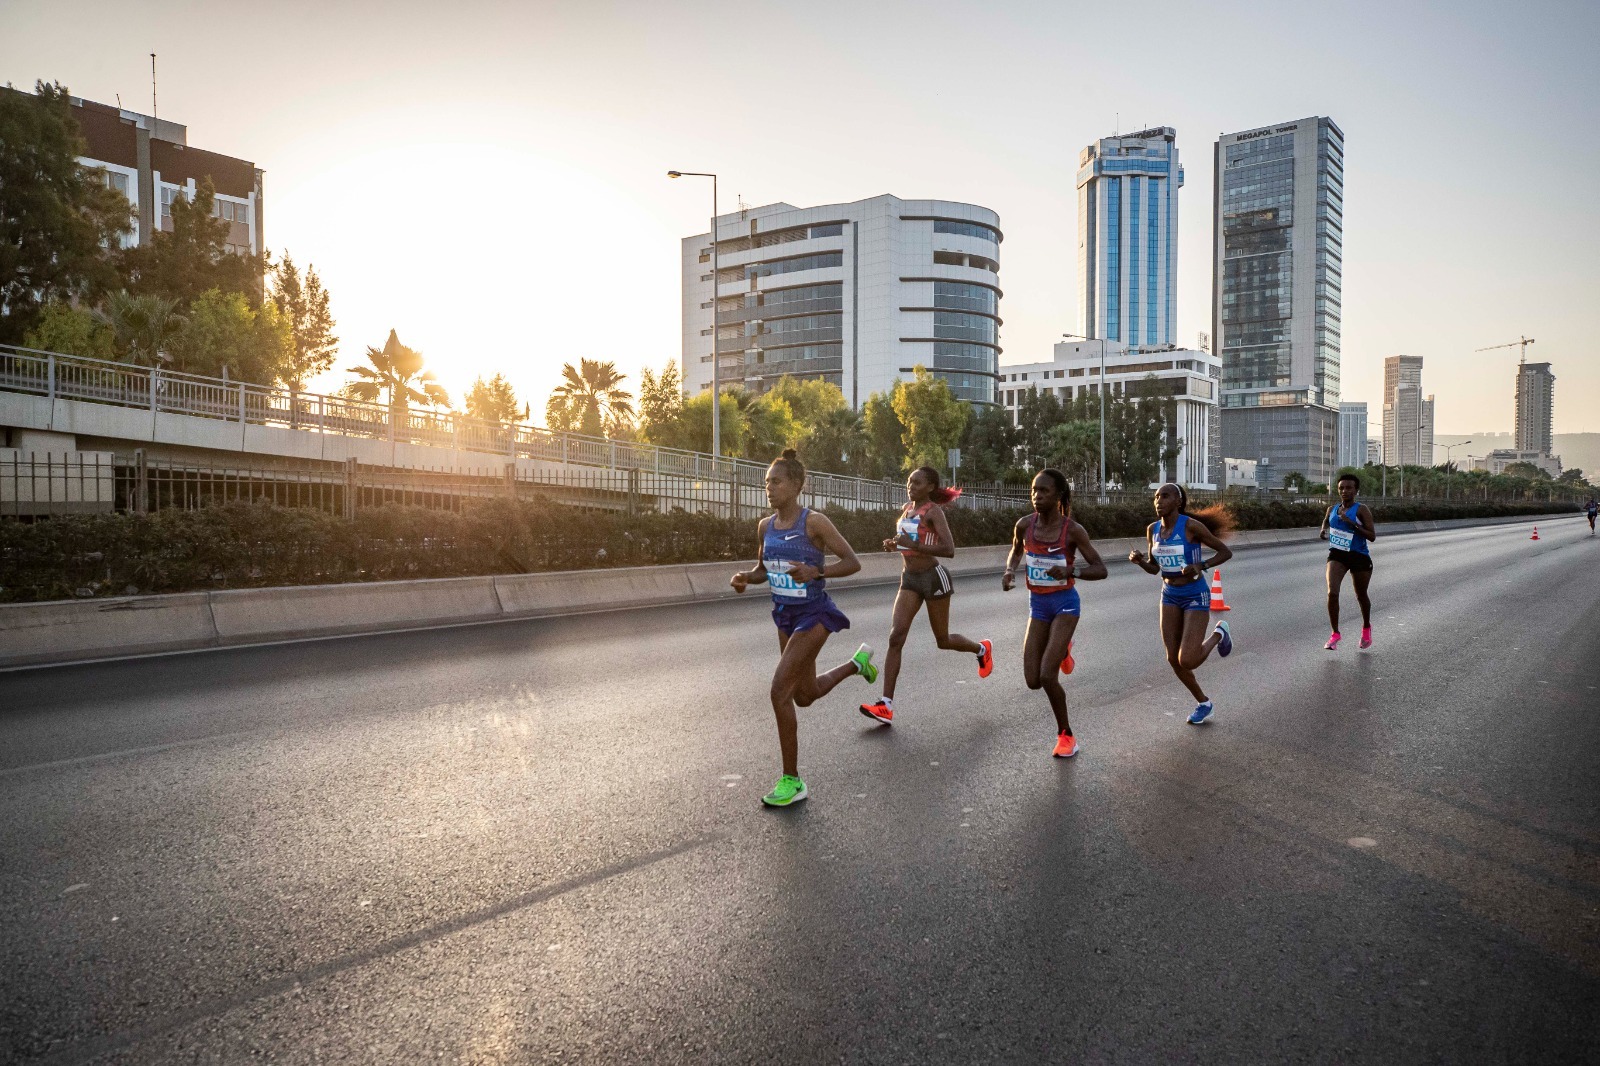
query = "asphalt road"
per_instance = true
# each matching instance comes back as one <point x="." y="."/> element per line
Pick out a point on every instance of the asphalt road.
<point x="542" y="842"/>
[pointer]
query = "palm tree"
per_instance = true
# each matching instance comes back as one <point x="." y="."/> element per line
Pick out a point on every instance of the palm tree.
<point x="140" y="326"/>
<point x="396" y="372"/>
<point x="592" y="397"/>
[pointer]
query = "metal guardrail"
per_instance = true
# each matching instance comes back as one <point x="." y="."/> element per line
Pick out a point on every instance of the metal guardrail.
<point x="67" y="377"/>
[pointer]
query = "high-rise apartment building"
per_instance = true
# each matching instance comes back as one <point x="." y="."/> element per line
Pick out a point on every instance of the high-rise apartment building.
<point x="858" y="294"/>
<point x="1278" y="269"/>
<point x="1535" y="403"/>
<point x="1352" y="434"/>
<point x="1128" y="237"/>
<point x="1407" y="413"/>
<point x="150" y="161"/>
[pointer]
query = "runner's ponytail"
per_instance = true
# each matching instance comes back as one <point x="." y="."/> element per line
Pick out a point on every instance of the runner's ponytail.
<point x="939" y="495"/>
<point x="1216" y="516"/>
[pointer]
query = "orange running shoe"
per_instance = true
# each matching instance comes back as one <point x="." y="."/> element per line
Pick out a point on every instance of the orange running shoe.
<point x="1066" y="746"/>
<point x="882" y="711"/>
<point x="1068" y="664"/>
<point x="985" y="659"/>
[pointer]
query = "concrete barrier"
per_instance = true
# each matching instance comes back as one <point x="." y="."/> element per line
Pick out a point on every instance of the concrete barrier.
<point x="247" y="616"/>
<point x="68" y="630"/>
<point x="64" y="631"/>
<point x="530" y="595"/>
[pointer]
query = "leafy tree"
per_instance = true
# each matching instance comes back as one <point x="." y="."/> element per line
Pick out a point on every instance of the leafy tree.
<point x="560" y="416"/>
<point x="1038" y="412"/>
<point x="1295" y="481"/>
<point x="769" y="425"/>
<point x="661" y="405"/>
<point x="142" y="327"/>
<point x="1572" y="476"/>
<point x="395" y="375"/>
<point x="593" y="397"/>
<point x="222" y="331"/>
<point x="1074" y="449"/>
<point x="494" y="400"/>
<point x="193" y="257"/>
<point x="303" y="304"/>
<point x="56" y="218"/>
<point x="809" y="399"/>
<point x="695" y="423"/>
<point x="988" y="448"/>
<point x="70" y="331"/>
<point x="836" y="443"/>
<point x="1137" y="439"/>
<point x="886" y="448"/>
<point x="933" y="419"/>
<point x="1527" y="470"/>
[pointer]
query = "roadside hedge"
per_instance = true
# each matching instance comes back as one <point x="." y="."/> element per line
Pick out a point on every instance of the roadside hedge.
<point x="246" y="545"/>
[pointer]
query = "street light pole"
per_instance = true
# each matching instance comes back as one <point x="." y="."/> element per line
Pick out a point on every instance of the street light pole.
<point x="716" y="347"/>
<point x="1448" y="468"/>
<point x="1075" y="336"/>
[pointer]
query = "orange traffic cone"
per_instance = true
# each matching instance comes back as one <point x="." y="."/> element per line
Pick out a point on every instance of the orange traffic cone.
<point x="1535" y="533"/>
<point x="1217" y="602"/>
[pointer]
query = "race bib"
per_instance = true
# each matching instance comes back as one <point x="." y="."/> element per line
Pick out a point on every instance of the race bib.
<point x="1169" y="557"/>
<point x="1342" y="539"/>
<point x="910" y="528"/>
<point x="780" y="581"/>
<point x="1039" y="571"/>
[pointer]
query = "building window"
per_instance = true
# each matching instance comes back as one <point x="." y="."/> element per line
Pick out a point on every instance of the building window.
<point x="962" y="296"/>
<point x="967" y="229"/>
<point x="834" y="230"/>
<point x="1113" y="329"/>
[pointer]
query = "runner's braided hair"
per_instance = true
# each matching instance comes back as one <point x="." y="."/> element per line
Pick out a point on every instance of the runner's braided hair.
<point x="1063" y="490"/>
<point x="939" y="495"/>
<point x="793" y="468"/>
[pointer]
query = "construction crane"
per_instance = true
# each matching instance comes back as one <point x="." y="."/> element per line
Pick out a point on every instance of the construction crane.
<point x="1522" y="344"/>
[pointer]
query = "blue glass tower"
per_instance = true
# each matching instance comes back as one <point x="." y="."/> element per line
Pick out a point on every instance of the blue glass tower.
<point x="1128" y="237"/>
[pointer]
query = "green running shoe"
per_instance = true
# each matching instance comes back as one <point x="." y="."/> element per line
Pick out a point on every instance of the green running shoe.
<point x="863" y="660"/>
<point x="788" y="790"/>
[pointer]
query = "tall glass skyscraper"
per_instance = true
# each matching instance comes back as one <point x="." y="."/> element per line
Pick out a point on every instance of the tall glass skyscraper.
<point x="1278" y="259"/>
<point x="1128" y="237"/>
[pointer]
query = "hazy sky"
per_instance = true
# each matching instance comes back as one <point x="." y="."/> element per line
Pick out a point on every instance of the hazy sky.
<point x="488" y="178"/>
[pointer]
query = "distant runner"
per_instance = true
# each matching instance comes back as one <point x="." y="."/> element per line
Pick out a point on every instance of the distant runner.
<point x="922" y="537"/>
<point x="1176" y="542"/>
<point x="1347" y="527"/>
<point x="790" y="560"/>
<point x="1591" y="509"/>
<point x="1047" y="542"/>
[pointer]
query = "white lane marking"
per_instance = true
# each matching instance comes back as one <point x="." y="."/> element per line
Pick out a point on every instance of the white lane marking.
<point x="79" y="887"/>
<point x="966" y="810"/>
<point x="1362" y="842"/>
<point x="731" y="777"/>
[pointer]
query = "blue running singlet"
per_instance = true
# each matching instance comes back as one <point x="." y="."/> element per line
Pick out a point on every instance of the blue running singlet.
<point x="1172" y="553"/>
<point x="781" y="551"/>
<point x="1343" y="532"/>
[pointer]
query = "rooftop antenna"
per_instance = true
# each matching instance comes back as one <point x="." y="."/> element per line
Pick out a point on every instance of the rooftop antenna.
<point x="155" y="112"/>
<point x="119" y="101"/>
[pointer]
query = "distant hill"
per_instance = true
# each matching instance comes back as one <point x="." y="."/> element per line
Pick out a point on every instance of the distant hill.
<point x="1581" y="450"/>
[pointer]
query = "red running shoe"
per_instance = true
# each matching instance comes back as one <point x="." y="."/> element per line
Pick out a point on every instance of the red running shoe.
<point x="880" y="711"/>
<point x="1066" y="746"/>
<point x="1068" y="664"/>
<point x="985" y="659"/>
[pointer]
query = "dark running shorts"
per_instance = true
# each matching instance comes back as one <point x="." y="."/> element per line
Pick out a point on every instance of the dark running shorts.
<point x="933" y="584"/>
<point x="793" y="618"/>
<point x="1351" y="560"/>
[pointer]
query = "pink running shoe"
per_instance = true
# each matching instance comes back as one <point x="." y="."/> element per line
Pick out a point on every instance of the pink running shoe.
<point x="1366" y="636"/>
<point x="1333" y="643"/>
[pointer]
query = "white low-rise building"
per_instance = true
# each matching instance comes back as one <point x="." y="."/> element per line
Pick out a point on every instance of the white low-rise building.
<point x="1188" y="376"/>
<point x="1497" y="461"/>
<point x="858" y="294"/>
<point x="1240" y="473"/>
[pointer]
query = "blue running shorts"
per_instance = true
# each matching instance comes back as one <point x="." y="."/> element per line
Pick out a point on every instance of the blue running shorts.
<point x="1044" y="606"/>
<point x="1195" y="596"/>
<point x="793" y="618"/>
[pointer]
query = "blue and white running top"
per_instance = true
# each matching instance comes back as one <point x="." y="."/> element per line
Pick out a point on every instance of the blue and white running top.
<point x="914" y="525"/>
<point x="781" y="550"/>
<point x="1343" y="532"/>
<point x="1172" y="553"/>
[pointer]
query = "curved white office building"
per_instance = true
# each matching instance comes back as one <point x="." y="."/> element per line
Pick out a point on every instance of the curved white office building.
<point x="857" y="294"/>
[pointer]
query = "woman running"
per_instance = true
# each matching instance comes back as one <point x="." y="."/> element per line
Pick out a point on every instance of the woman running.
<point x="922" y="538"/>
<point x="1347" y="527"/>
<point x="1177" y="541"/>
<point x="1049" y="542"/>
<point x="790" y="545"/>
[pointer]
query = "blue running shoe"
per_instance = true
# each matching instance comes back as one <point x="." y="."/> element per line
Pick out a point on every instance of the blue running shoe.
<point x="1225" y="645"/>
<point x="1202" y="713"/>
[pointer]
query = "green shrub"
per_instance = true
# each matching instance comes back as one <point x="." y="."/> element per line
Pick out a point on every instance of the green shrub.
<point x="253" y="545"/>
